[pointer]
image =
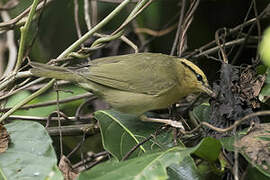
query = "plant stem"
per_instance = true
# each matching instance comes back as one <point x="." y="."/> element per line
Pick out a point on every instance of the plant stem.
<point x="86" y="36"/>
<point x="24" y="32"/>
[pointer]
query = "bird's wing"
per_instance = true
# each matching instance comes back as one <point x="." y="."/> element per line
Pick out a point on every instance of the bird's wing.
<point x="145" y="73"/>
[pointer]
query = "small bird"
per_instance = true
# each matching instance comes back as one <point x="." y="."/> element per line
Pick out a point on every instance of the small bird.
<point x="134" y="83"/>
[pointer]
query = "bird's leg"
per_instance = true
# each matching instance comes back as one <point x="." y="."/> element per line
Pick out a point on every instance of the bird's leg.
<point x="172" y="123"/>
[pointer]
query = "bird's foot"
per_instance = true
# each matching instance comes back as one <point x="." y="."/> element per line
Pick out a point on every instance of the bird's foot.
<point x="172" y="123"/>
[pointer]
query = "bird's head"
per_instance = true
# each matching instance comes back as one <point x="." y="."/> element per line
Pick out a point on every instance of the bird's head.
<point x="195" y="79"/>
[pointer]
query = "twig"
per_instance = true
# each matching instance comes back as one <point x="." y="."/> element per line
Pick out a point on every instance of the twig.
<point x="97" y="161"/>
<point x="9" y="5"/>
<point x="74" y="130"/>
<point x="135" y="12"/>
<point x="77" y="43"/>
<point x="136" y="147"/>
<point x="94" y="12"/>
<point x="87" y="17"/>
<point x="59" y="122"/>
<point x="221" y="48"/>
<point x="11" y="23"/>
<point x="89" y="158"/>
<point x="187" y="21"/>
<point x="130" y="43"/>
<point x="156" y="33"/>
<point x="11" y="46"/>
<point x="176" y="39"/>
<point x="264" y="14"/>
<point x="118" y="32"/>
<point x="236" y="154"/>
<point x="24" y="33"/>
<point x="141" y="143"/>
<point x="115" y="1"/>
<point x="215" y="49"/>
<point x="76" y="19"/>
<point x="236" y="123"/>
<point x="21" y="88"/>
<point x="36" y="118"/>
<point x="258" y="27"/>
<point x="4" y="83"/>
<point x="26" y="100"/>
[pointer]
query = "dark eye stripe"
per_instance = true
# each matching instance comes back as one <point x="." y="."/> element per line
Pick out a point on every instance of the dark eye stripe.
<point x="199" y="77"/>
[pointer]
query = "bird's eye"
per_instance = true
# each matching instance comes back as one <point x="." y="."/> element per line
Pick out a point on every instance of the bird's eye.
<point x="199" y="77"/>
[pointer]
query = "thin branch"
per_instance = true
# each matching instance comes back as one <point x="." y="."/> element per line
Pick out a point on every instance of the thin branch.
<point x="74" y="130"/>
<point x="11" y="46"/>
<point x="178" y="32"/>
<point x="24" y="33"/>
<point x="4" y="83"/>
<point x="36" y="118"/>
<point x="10" y="93"/>
<point x="11" y="23"/>
<point x="263" y="15"/>
<point x="90" y="157"/>
<point x="9" y="5"/>
<point x="87" y="17"/>
<point x="236" y="123"/>
<point x="130" y="43"/>
<point x="152" y="32"/>
<point x="215" y="49"/>
<point x="221" y="48"/>
<point x="141" y="143"/>
<point x="76" y="19"/>
<point x="86" y="36"/>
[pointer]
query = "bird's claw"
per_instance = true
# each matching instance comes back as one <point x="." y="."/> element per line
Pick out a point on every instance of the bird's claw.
<point x="177" y="124"/>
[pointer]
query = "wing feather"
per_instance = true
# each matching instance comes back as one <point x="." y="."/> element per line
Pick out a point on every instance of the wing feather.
<point x="150" y="74"/>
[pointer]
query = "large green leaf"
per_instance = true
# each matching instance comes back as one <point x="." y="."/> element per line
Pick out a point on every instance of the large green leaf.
<point x="149" y="166"/>
<point x="120" y="132"/>
<point x="173" y="163"/>
<point x="30" y="154"/>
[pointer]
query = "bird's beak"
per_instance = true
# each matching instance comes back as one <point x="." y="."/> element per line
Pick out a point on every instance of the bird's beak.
<point x="207" y="89"/>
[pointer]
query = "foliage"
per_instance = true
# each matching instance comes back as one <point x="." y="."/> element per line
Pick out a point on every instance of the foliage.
<point x="30" y="154"/>
<point x="224" y="38"/>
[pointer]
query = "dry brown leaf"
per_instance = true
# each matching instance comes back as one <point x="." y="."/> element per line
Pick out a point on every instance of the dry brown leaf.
<point x="4" y="138"/>
<point x="66" y="168"/>
<point x="256" y="145"/>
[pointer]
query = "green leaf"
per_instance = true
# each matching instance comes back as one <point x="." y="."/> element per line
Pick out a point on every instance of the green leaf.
<point x="30" y="154"/>
<point x="265" y="90"/>
<point x="185" y="170"/>
<point x="147" y="167"/>
<point x="264" y="48"/>
<point x="209" y="149"/>
<point x="201" y="112"/>
<point x="55" y="174"/>
<point x="120" y="132"/>
<point x="253" y="173"/>
<point x="173" y="163"/>
<point x="261" y="69"/>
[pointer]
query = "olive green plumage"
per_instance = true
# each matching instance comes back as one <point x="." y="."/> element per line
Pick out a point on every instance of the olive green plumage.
<point x="134" y="83"/>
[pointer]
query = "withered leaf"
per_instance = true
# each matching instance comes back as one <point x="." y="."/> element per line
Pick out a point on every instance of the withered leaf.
<point x="4" y="138"/>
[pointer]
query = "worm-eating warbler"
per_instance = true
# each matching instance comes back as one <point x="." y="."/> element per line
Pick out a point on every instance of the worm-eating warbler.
<point x="134" y="83"/>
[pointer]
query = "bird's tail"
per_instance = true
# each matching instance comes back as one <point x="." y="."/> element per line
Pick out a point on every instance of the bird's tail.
<point x="56" y="72"/>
